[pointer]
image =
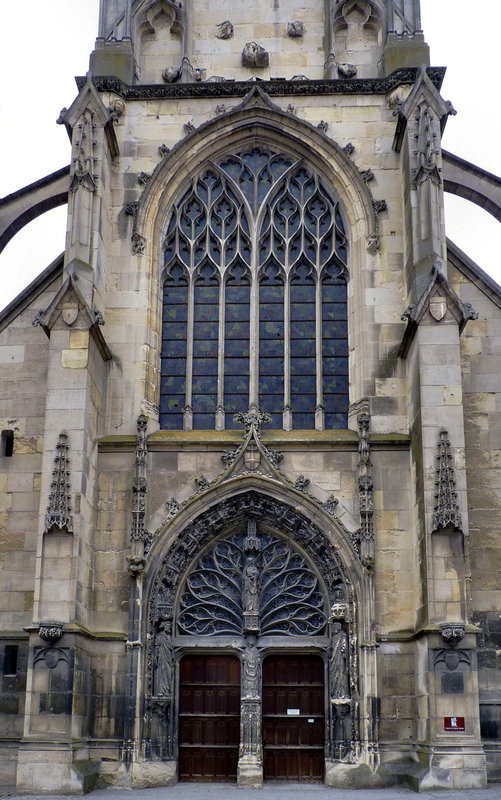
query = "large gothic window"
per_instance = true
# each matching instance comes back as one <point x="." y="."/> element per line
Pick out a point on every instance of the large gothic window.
<point x="254" y="303"/>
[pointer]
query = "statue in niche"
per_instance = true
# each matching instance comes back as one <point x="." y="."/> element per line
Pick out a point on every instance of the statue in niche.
<point x="338" y="663"/>
<point x="251" y="575"/>
<point x="163" y="660"/>
<point x="251" y="670"/>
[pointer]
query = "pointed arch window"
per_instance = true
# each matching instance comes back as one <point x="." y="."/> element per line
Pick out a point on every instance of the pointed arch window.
<point x="255" y="297"/>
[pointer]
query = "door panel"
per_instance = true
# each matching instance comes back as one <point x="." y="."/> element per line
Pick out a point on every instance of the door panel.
<point x="209" y="717"/>
<point x="293" y="743"/>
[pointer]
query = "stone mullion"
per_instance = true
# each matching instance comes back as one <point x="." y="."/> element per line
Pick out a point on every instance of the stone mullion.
<point x="220" y="421"/>
<point x="188" y="408"/>
<point x="319" y="410"/>
<point x="287" y="416"/>
<point x="254" y="322"/>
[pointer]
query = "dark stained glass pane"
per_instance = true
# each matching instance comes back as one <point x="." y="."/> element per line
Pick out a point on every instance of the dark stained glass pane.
<point x="237" y="330"/>
<point x="203" y="422"/>
<point x="205" y="366"/>
<point x="172" y="384"/>
<point x="173" y="366"/>
<point x="206" y="384"/>
<point x="204" y="403"/>
<point x="303" y="421"/>
<point x="269" y="366"/>
<point x="205" y="346"/>
<point x="334" y="352"/>
<point x="236" y="349"/>
<point x="173" y="355"/>
<point x="206" y="331"/>
<point x="303" y="349"/>
<point x="271" y="344"/>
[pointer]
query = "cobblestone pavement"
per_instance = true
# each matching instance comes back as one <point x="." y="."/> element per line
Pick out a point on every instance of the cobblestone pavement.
<point x="222" y="791"/>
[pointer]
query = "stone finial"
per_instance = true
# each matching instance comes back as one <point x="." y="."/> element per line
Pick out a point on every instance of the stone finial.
<point x="446" y="513"/>
<point x="58" y="516"/>
<point x="255" y="56"/>
<point x="253" y="419"/>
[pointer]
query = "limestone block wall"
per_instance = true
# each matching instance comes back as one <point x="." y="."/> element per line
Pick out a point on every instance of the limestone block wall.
<point x="481" y="369"/>
<point x="23" y="358"/>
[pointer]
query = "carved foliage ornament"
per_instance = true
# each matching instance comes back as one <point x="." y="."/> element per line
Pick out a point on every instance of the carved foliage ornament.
<point x="58" y="516"/>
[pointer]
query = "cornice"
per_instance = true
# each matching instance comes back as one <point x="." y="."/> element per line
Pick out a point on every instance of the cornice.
<point x="276" y="87"/>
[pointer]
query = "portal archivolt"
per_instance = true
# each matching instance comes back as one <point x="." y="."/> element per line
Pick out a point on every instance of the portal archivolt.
<point x="254" y="578"/>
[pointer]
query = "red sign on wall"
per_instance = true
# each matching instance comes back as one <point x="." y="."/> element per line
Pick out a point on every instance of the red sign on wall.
<point x="454" y="724"/>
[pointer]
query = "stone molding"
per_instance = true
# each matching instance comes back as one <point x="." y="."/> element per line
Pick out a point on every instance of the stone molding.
<point x="276" y="88"/>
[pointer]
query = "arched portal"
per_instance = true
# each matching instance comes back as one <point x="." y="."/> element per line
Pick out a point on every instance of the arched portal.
<point x="248" y="587"/>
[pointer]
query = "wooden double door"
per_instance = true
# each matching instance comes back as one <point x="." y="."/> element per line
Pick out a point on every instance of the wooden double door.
<point x="293" y="721"/>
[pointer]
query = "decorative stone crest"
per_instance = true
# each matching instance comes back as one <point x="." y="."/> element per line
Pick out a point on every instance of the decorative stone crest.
<point x="144" y="178"/>
<point x="438" y="307"/>
<point x="189" y="127"/>
<point x="139" y="486"/>
<point x="367" y="175"/>
<point x="163" y="150"/>
<point x="446" y="513"/>
<point x="323" y="126"/>
<point x="349" y="149"/>
<point x="58" y="516"/>
<point x="255" y="56"/>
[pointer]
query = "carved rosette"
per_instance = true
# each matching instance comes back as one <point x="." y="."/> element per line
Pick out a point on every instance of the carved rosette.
<point x="446" y="512"/>
<point x="58" y="516"/>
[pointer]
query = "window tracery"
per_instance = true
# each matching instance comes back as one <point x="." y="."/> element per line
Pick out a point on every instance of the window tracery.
<point x="287" y="600"/>
<point x="255" y="281"/>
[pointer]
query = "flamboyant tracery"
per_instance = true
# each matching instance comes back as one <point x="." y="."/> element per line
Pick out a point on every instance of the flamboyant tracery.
<point x="255" y="297"/>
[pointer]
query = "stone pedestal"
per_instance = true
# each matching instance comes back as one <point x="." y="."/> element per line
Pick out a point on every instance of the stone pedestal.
<point x="49" y="768"/>
<point x="250" y="772"/>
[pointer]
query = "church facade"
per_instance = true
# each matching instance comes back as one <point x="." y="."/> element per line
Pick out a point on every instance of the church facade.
<point x="251" y="418"/>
